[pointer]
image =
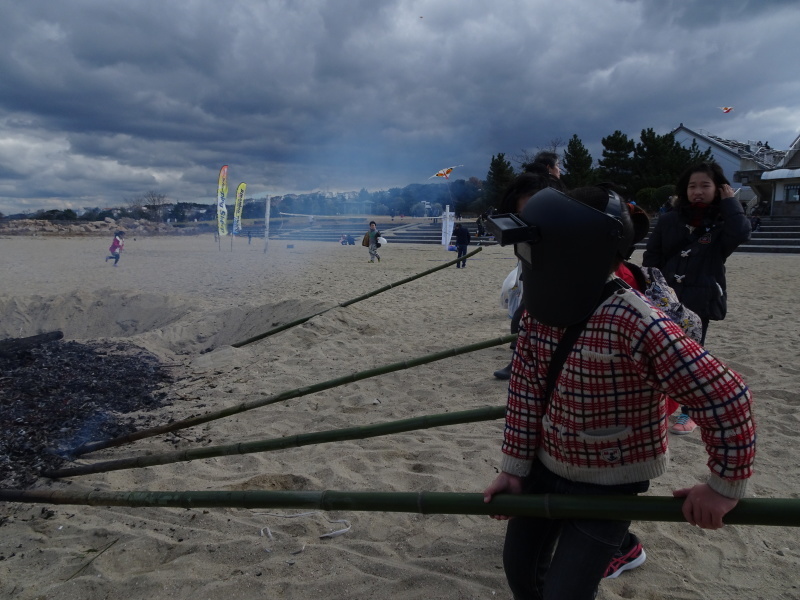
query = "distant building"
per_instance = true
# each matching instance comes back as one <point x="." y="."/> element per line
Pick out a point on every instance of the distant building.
<point x="778" y="187"/>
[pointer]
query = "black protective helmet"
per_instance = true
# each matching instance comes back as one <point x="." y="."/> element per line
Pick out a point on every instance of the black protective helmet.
<point x="571" y="248"/>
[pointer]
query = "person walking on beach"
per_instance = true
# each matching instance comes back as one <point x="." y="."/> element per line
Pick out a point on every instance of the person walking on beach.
<point x="116" y="247"/>
<point x="599" y="426"/>
<point x="690" y="245"/>
<point x="462" y="242"/>
<point x="371" y="241"/>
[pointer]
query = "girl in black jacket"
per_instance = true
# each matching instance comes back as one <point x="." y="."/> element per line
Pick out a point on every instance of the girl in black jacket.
<point x="691" y="243"/>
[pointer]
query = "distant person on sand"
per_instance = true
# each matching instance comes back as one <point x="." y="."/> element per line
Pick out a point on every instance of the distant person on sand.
<point x="479" y="224"/>
<point x="116" y="247"/>
<point x="371" y="241"/>
<point x="462" y="241"/>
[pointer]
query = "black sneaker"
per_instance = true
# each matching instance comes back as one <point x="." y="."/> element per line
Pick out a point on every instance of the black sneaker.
<point x="625" y="560"/>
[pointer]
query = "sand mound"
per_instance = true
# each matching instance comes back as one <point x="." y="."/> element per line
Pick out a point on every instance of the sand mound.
<point x="164" y="324"/>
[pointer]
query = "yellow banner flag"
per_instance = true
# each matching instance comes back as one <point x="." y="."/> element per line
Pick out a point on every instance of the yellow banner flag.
<point x="238" y="207"/>
<point x="222" y="211"/>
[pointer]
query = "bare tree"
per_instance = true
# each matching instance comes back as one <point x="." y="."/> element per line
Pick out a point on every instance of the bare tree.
<point x="151" y="205"/>
<point x="135" y="206"/>
<point x="526" y="157"/>
<point x="553" y="145"/>
<point x="156" y="203"/>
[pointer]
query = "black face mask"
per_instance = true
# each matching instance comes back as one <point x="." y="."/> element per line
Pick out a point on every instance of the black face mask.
<point x="568" y="254"/>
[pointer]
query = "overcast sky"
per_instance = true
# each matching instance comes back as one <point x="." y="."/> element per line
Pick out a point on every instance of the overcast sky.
<point x="102" y="100"/>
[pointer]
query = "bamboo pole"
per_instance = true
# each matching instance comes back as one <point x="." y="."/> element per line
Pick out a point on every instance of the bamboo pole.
<point x="302" y="320"/>
<point x="296" y="393"/>
<point x="487" y="413"/>
<point x="779" y="512"/>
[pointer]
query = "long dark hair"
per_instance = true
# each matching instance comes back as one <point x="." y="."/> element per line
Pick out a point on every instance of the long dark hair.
<point x="523" y="185"/>
<point x="542" y="159"/>
<point x="714" y="172"/>
<point x="541" y="165"/>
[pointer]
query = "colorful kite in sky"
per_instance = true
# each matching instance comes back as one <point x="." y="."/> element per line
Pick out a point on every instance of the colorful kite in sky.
<point x="445" y="172"/>
<point x="725" y="109"/>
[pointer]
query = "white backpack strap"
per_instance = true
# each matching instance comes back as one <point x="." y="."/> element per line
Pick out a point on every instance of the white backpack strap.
<point x="636" y="301"/>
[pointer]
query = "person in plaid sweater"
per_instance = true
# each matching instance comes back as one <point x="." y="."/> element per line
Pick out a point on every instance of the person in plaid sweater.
<point x="603" y="429"/>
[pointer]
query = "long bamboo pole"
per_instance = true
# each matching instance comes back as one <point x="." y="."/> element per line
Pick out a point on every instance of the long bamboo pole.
<point x="779" y="512"/>
<point x="302" y="320"/>
<point x="487" y="413"/>
<point x="296" y="393"/>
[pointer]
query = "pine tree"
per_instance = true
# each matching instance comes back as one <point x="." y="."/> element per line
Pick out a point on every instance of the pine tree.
<point x="616" y="165"/>
<point x="500" y="175"/>
<point x="696" y="156"/>
<point x="654" y="160"/>
<point x="578" y="164"/>
<point x="659" y="160"/>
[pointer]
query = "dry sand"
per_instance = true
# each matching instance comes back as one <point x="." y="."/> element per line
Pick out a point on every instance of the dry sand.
<point x="180" y="297"/>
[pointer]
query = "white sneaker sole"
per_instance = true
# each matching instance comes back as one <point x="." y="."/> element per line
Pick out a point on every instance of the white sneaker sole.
<point x="638" y="562"/>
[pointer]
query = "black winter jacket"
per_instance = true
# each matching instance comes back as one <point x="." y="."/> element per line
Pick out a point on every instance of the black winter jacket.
<point x="462" y="236"/>
<point x="693" y="262"/>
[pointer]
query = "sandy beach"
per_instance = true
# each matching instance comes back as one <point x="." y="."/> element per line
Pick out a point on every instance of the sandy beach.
<point x="187" y="299"/>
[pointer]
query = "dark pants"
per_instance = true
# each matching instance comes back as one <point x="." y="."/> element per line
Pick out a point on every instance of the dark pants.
<point x="548" y="559"/>
<point x="462" y="250"/>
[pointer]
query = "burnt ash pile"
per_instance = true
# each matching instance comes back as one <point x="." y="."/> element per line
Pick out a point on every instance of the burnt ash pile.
<point x="58" y="395"/>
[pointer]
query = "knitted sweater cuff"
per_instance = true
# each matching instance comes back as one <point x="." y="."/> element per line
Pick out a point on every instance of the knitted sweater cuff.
<point x="515" y="466"/>
<point x="729" y="489"/>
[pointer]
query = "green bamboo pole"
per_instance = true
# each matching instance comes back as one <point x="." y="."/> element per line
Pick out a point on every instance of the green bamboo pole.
<point x="302" y="320"/>
<point x="487" y="413"/>
<point x="779" y="512"/>
<point x="296" y="393"/>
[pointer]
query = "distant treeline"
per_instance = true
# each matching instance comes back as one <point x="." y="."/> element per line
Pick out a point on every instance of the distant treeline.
<point x="646" y="170"/>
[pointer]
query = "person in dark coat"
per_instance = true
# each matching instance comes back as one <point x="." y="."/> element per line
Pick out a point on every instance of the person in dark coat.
<point x="691" y="243"/>
<point x="462" y="241"/>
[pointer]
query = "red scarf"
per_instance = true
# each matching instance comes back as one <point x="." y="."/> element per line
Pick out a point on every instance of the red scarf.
<point x="697" y="214"/>
<point x="624" y="273"/>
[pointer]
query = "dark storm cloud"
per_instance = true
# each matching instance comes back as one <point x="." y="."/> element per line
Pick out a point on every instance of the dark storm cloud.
<point x="700" y="14"/>
<point x="101" y="100"/>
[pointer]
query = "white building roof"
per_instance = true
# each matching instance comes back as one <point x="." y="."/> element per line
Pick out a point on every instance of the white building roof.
<point x="781" y="174"/>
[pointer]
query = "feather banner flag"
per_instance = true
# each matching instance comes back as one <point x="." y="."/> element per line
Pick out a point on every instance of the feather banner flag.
<point x="444" y="172"/>
<point x="448" y="224"/>
<point x="238" y="207"/>
<point x="222" y="211"/>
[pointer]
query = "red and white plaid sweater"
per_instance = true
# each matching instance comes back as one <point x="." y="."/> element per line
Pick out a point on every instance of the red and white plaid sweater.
<point x="606" y="421"/>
